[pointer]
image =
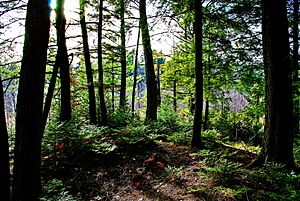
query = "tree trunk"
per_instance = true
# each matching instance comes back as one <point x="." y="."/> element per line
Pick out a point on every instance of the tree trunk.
<point x="196" y="139"/>
<point x="112" y="87"/>
<point x="295" y="60"/>
<point x="49" y="95"/>
<point x="206" y="113"/>
<point x="100" y="68"/>
<point x="151" y="111"/>
<point x="4" y="151"/>
<point x="174" y="95"/>
<point x="27" y="161"/>
<point x="123" y="55"/>
<point x="63" y="61"/>
<point x="278" y="84"/>
<point x="135" y="72"/>
<point x="158" y="82"/>
<point x="88" y="65"/>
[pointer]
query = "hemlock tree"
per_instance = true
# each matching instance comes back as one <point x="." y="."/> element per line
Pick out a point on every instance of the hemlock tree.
<point x="27" y="160"/>
<point x="103" y="109"/>
<point x="196" y="139"/>
<point x="295" y="59"/>
<point x="123" y="54"/>
<point x="4" y="152"/>
<point x="63" y="62"/>
<point x="151" y="112"/>
<point x="88" y="65"/>
<point x="135" y="71"/>
<point x="278" y="84"/>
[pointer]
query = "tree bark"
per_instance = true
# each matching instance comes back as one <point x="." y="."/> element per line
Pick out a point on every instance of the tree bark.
<point x="135" y="72"/>
<point x="103" y="109"/>
<point x="278" y="84"/>
<point x="112" y="87"/>
<point x="151" y="111"/>
<point x="63" y="61"/>
<point x="206" y="113"/>
<point x="174" y="95"/>
<point x="4" y="151"/>
<point x="158" y="82"/>
<point x="123" y="55"/>
<point x="88" y="65"/>
<point x="49" y="95"/>
<point x="196" y="138"/>
<point x="295" y="59"/>
<point x="27" y="161"/>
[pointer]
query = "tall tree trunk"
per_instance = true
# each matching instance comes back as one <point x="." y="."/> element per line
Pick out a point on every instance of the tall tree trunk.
<point x="88" y="65"/>
<point x="27" y="160"/>
<point x="123" y="55"/>
<point x="4" y="151"/>
<point x="278" y="84"/>
<point x="135" y="71"/>
<point x="206" y="113"/>
<point x="151" y="112"/>
<point x="295" y="60"/>
<point x="196" y="139"/>
<point x="49" y="95"/>
<point x="63" y="61"/>
<point x="158" y="82"/>
<point x="174" y="95"/>
<point x="112" y="87"/>
<point x="100" y="68"/>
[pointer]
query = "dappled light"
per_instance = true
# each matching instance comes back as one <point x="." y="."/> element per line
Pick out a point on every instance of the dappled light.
<point x="149" y="100"/>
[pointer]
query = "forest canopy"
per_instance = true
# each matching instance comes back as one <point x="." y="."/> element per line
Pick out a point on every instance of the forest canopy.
<point x="127" y="100"/>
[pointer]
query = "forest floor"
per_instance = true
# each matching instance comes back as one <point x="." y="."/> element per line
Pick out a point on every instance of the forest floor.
<point x="158" y="170"/>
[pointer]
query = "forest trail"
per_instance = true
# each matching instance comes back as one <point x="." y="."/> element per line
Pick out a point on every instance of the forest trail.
<point x="153" y="170"/>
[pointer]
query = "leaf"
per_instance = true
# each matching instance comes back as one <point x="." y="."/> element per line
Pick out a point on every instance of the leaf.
<point x="160" y="165"/>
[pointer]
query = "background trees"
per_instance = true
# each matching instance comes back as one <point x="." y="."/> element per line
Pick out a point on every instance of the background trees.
<point x="4" y="156"/>
<point x="193" y="53"/>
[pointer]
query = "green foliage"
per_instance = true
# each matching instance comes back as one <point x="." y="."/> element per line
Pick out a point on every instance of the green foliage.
<point x="274" y="182"/>
<point x="54" y="190"/>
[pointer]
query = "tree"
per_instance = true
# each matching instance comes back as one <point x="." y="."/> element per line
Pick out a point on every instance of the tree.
<point x="135" y="71"/>
<point x="295" y="60"/>
<point x="63" y="62"/>
<point x="123" y="54"/>
<point x="278" y="84"/>
<point x="88" y="65"/>
<point x="151" y="112"/>
<point x="196" y="139"/>
<point x="100" y="66"/>
<point x="4" y="152"/>
<point x="27" y="161"/>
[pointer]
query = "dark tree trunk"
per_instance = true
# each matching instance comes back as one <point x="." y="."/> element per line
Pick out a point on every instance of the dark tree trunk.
<point x="158" y="83"/>
<point x="123" y="55"/>
<point x="63" y="62"/>
<point x="88" y="65"/>
<point x="135" y="72"/>
<point x="151" y="112"/>
<point x="4" y="151"/>
<point x="49" y="95"/>
<point x="103" y="109"/>
<point x="295" y="60"/>
<point x="174" y="95"/>
<point x="112" y="87"/>
<point x="192" y="104"/>
<point x="206" y="113"/>
<point x="278" y="84"/>
<point x="196" y="139"/>
<point x="27" y="161"/>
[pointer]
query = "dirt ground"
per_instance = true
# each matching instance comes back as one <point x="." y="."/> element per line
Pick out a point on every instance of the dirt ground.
<point x="140" y="171"/>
